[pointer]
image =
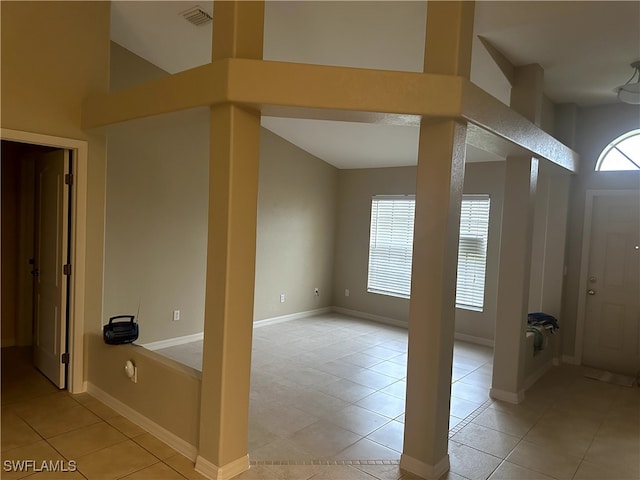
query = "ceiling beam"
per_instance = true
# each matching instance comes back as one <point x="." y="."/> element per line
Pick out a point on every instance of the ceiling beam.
<point x="330" y="93"/>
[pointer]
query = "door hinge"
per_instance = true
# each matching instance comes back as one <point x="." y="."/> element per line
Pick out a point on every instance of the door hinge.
<point x="68" y="179"/>
<point x="66" y="269"/>
<point x="65" y="358"/>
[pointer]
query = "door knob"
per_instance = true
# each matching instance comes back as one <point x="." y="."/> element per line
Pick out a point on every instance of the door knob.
<point x="35" y="272"/>
<point x="591" y="291"/>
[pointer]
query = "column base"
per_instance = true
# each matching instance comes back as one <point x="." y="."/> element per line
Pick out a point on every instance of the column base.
<point x="511" y="397"/>
<point x="230" y="470"/>
<point x="424" y="470"/>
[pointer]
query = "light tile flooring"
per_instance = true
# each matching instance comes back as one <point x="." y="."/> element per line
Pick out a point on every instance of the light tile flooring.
<point x="333" y="387"/>
<point x="569" y="427"/>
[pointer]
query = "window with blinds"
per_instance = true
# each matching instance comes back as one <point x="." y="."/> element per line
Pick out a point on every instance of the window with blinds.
<point x="391" y="248"/>
<point x="391" y="245"/>
<point x="472" y="252"/>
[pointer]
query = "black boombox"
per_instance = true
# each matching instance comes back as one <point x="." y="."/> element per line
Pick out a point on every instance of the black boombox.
<point x="118" y="333"/>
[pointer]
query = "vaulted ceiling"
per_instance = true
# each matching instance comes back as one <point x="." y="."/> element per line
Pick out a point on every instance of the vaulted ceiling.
<point x="584" y="47"/>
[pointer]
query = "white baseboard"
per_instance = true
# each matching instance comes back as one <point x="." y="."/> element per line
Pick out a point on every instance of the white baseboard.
<point x="424" y="470"/>
<point x="230" y="470"/>
<point x="291" y="316"/>
<point x="172" y="342"/>
<point x="370" y="316"/>
<point x="505" y="396"/>
<point x="487" y="342"/>
<point x="171" y="439"/>
<point x="570" y="359"/>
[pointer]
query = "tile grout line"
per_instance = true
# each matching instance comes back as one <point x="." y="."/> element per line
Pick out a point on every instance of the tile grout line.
<point x="469" y="418"/>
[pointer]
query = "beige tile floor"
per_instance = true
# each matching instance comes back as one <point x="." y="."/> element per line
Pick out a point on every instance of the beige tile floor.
<point x="569" y="427"/>
<point x="333" y="387"/>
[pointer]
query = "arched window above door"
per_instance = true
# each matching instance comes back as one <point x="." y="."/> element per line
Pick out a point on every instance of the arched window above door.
<point x="621" y="154"/>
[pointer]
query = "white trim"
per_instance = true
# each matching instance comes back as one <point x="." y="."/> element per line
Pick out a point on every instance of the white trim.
<point x="505" y="396"/>
<point x="230" y="470"/>
<point x="162" y="434"/>
<point x="80" y="148"/>
<point x="571" y="360"/>
<point x="370" y="316"/>
<point x="424" y="470"/>
<point x="172" y="342"/>
<point x="291" y="316"/>
<point x="584" y="264"/>
<point x="487" y="342"/>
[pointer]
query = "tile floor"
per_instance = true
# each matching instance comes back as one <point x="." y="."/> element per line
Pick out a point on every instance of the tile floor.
<point x="333" y="387"/>
<point x="569" y="427"/>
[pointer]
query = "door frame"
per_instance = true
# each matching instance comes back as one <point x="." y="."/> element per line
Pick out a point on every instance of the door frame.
<point x="78" y="239"/>
<point x="591" y="195"/>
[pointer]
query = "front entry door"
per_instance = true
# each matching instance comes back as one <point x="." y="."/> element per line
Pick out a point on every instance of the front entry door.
<point x="612" y="314"/>
<point x="50" y="281"/>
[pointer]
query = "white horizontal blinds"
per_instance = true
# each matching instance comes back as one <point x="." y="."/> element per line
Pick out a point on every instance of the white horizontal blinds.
<point x="472" y="251"/>
<point x="391" y="245"/>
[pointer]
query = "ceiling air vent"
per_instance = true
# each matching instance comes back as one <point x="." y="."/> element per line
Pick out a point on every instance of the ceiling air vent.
<point x="197" y="16"/>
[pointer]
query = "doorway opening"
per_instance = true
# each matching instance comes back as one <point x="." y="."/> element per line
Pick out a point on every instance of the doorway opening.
<point x="36" y="251"/>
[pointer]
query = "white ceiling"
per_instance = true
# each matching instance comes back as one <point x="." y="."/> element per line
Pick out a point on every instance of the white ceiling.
<point x="585" y="48"/>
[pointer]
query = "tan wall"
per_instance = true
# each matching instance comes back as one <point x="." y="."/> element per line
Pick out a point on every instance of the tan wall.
<point x="156" y="223"/>
<point x="128" y="69"/>
<point x="356" y="187"/>
<point x="296" y="229"/>
<point x="485" y="178"/>
<point x="596" y="127"/>
<point x="166" y="393"/>
<point x="548" y="243"/>
<point x="55" y="54"/>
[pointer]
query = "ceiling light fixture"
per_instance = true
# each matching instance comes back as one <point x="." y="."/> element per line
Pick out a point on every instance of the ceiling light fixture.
<point x="630" y="91"/>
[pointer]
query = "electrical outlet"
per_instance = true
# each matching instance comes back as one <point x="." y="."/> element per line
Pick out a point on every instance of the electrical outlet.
<point x="317" y="292"/>
<point x="176" y="315"/>
<point x="346" y="292"/>
<point x="282" y="298"/>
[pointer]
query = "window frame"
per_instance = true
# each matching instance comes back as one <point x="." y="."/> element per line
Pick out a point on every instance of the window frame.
<point x="375" y="280"/>
<point x="394" y="282"/>
<point x="612" y="147"/>
<point x="475" y="249"/>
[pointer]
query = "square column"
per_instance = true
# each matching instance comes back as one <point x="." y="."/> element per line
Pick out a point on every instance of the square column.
<point x="513" y="279"/>
<point x="432" y="309"/>
<point x="514" y="271"/>
<point x="233" y="199"/>
<point x="440" y="178"/>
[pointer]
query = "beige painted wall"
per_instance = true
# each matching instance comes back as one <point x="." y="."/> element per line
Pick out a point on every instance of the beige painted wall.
<point x="356" y="187"/>
<point x="485" y="178"/>
<point x="166" y="393"/>
<point x="296" y="229"/>
<point x="128" y="69"/>
<point x="595" y="128"/>
<point x="55" y="54"/>
<point x="548" y="243"/>
<point x="156" y="229"/>
<point x="156" y="223"/>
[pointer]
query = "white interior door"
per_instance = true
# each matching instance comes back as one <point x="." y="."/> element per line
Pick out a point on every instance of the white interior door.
<point x="612" y="313"/>
<point x="50" y="282"/>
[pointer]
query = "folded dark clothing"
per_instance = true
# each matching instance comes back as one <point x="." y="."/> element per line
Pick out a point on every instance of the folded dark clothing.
<point x="543" y="319"/>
